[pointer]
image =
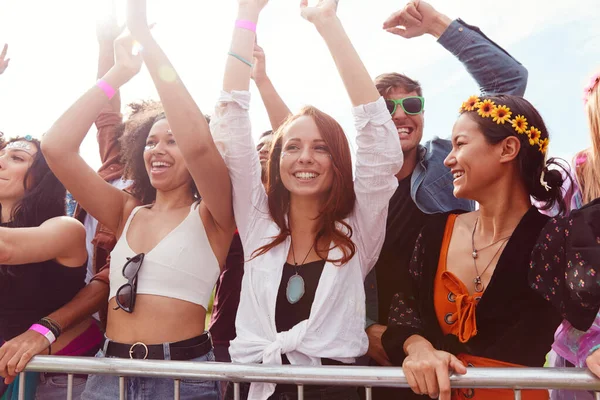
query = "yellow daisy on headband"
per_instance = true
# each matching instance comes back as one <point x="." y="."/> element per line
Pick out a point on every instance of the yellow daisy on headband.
<point x="501" y="114"/>
<point x="534" y="135"/>
<point x="544" y="145"/>
<point x="470" y="104"/>
<point x="520" y="124"/>
<point x="486" y="108"/>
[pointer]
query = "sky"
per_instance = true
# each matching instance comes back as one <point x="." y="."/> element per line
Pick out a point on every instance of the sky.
<point x="53" y="54"/>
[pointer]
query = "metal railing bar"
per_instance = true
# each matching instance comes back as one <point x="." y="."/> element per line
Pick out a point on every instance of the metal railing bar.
<point x="521" y="378"/>
<point x="122" y="388"/>
<point x="70" y="387"/>
<point x="597" y="395"/>
<point x="176" y="389"/>
<point x="21" y="394"/>
<point x="300" y="392"/>
<point x="517" y="394"/>
<point x="368" y="393"/>
<point x="236" y="391"/>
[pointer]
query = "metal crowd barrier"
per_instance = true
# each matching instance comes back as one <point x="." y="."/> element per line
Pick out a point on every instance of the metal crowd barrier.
<point x="516" y="379"/>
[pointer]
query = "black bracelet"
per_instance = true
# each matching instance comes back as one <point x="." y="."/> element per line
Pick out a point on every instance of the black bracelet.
<point x="55" y="324"/>
<point x="53" y="328"/>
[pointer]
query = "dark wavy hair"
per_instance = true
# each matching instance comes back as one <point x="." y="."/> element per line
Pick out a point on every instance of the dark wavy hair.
<point x="340" y="200"/>
<point x="530" y="159"/>
<point x="44" y="197"/>
<point x="133" y="134"/>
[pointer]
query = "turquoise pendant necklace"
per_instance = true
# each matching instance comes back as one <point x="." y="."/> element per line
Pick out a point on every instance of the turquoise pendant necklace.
<point x="295" y="286"/>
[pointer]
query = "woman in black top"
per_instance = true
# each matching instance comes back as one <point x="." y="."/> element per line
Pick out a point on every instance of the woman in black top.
<point x="471" y="302"/>
<point x="42" y="261"/>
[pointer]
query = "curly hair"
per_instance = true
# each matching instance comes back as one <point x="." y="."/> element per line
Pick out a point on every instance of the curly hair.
<point x="132" y="137"/>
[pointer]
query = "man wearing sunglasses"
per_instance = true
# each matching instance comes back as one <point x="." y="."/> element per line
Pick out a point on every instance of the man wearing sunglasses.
<point x="425" y="184"/>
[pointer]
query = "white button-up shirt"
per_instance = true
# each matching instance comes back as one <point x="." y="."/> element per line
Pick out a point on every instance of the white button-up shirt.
<point x="335" y="328"/>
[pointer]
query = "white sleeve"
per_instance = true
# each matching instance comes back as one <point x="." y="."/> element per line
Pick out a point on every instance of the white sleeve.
<point x="378" y="159"/>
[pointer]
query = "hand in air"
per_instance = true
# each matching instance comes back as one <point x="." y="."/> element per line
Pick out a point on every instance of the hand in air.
<point x="137" y="21"/>
<point x="107" y="27"/>
<point x="321" y="13"/>
<point x="415" y="19"/>
<point x="3" y="60"/>
<point x="259" y="71"/>
<point x="127" y="63"/>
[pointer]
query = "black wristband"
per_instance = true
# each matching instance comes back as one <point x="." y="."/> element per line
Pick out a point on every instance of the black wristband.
<point x="51" y="325"/>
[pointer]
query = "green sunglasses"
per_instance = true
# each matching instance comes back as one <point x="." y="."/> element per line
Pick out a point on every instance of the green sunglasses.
<point x="412" y="105"/>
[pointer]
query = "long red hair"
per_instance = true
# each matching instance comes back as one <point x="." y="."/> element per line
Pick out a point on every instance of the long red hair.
<point x="340" y="199"/>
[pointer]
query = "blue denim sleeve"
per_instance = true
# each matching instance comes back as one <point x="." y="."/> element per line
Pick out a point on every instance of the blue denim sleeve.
<point x="495" y="71"/>
<point x="372" y="303"/>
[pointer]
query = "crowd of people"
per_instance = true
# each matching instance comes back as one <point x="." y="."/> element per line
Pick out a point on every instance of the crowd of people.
<point x="473" y="251"/>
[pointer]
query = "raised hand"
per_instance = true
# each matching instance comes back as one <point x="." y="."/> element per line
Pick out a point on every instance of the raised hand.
<point x="127" y="64"/>
<point x="322" y="12"/>
<point x="107" y="27"/>
<point x="416" y="19"/>
<point x="3" y="60"/>
<point x="259" y="71"/>
<point x="137" y="21"/>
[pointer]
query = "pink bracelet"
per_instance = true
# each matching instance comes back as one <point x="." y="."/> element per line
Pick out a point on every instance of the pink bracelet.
<point x="244" y="24"/>
<point x="42" y="330"/>
<point x="106" y="88"/>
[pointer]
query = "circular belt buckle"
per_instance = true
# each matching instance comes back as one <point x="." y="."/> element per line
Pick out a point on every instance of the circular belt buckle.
<point x="133" y="346"/>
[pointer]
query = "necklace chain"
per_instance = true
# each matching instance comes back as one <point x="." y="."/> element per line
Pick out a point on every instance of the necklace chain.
<point x="305" y="257"/>
<point x="479" y="287"/>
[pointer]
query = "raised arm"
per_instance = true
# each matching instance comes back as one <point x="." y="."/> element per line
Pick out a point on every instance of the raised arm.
<point x="379" y="156"/>
<point x="107" y="31"/>
<point x="230" y="124"/>
<point x="495" y="71"/>
<point x="276" y="108"/>
<point x="355" y="76"/>
<point x="187" y="123"/>
<point x="61" y="143"/>
<point x="3" y="60"/>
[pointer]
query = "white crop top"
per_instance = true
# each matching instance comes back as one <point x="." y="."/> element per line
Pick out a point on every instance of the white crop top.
<point x="181" y="266"/>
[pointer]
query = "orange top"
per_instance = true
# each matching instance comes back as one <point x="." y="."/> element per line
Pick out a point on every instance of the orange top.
<point x="455" y="311"/>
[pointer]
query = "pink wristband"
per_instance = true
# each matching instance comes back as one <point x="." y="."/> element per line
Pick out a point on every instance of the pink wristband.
<point x="244" y="24"/>
<point x="42" y="330"/>
<point x="106" y="88"/>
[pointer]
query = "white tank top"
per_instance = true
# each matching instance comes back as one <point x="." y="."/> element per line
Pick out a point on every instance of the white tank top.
<point x="181" y="266"/>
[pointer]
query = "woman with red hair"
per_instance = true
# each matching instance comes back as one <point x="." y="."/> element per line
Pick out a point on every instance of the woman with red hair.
<point x="314" y="233"/>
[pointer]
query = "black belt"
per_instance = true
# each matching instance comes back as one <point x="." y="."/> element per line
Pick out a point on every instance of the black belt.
<point x="180" y="351"/>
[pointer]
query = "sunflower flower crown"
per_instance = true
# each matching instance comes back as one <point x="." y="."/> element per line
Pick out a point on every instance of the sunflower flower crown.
<point x="501" y="114"/>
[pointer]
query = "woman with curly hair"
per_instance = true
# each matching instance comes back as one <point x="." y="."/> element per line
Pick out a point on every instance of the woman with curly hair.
<point x="42" y="267"/>
<point x="170" y="244"/>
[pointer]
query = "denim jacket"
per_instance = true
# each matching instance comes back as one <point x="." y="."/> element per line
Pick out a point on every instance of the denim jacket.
<point x="496" y="72"/>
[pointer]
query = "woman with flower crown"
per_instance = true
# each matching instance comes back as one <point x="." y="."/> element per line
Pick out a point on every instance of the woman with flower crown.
<point x="472" y="303"/>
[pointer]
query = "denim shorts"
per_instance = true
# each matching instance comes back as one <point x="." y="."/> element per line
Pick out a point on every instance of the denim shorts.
<point x="54" y="387"/>
<point x="310" y="393"/>
<point x="106" y="387"/>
